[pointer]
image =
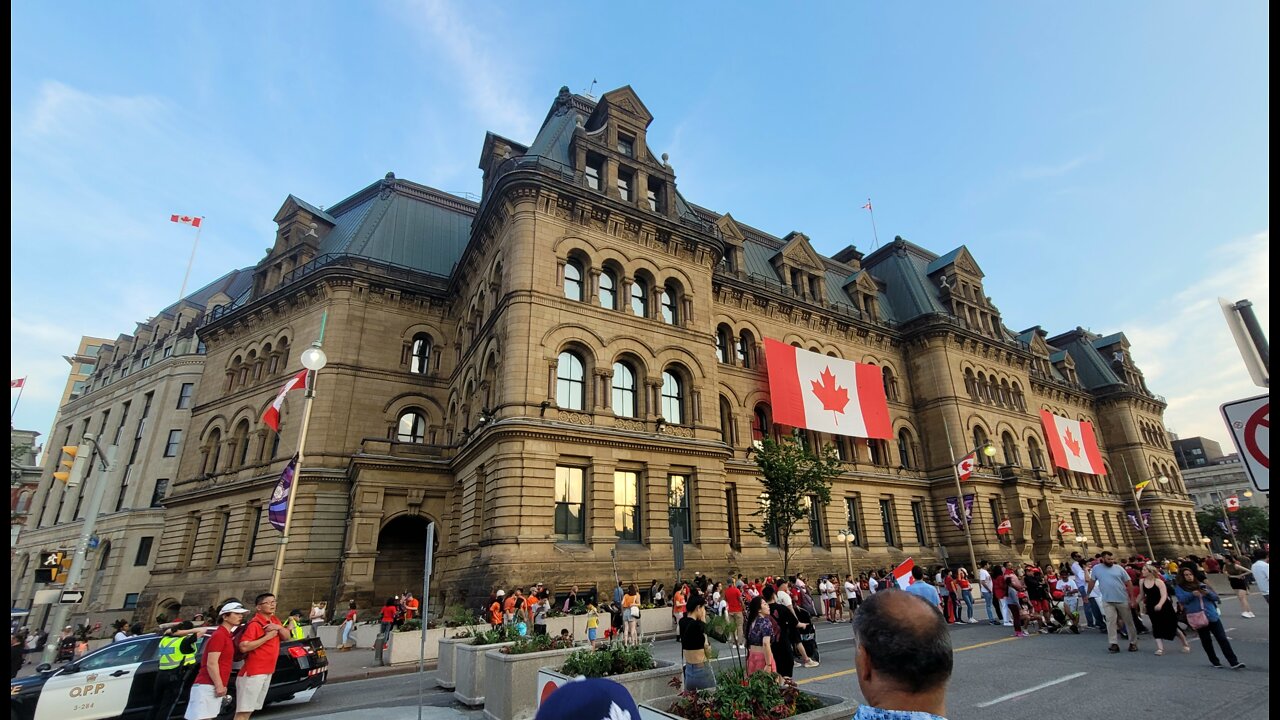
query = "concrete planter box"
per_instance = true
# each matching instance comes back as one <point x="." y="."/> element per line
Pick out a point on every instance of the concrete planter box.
<point x="361" y="636"/>
<point x="446" y="660"/>
<point x="643" y="685"/>
<point x="405" y="647"/>
<point x="512" y="681"/>
<point x="655" y="621"/>
<point x="833" y="708"/>
<point x="468" y="672"/>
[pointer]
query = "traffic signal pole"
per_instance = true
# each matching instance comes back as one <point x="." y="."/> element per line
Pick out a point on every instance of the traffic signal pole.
<point x="80" y="556"/>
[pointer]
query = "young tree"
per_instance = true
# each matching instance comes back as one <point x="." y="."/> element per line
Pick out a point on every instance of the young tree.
<point x="793" y="477"/>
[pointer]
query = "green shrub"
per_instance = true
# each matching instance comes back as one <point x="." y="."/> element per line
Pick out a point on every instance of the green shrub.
<point x="458" y="616"/>
<point x="537" y="643"/>
<point x="759" y="696"/>
<point x="606" y="660"/>
<point x="506" y="633"/>
<point x="409" y="626"/>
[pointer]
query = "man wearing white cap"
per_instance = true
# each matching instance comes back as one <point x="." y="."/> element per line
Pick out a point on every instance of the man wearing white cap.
<point x="210" y="685"/>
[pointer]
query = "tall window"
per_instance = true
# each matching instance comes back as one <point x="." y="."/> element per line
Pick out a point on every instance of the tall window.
<point x="420" y="354"/>
<point x="124" y="487"/>
<point x="904" y="448"/>
<point x="573" y="280"/>
<point x="253" y="533"/>
<point x="726" y="422"/>
<point x="917" y="517"/>
<point x="157" y="495"/>
<point x="731" y="511"/>
<point x="997" y="517"/>
<point x="886" y="521"/>
<point x="624" y="390"/>
<point x="672" y="398"/>
<point x="980" y="441"/>
<point x="223" y="537"/>
<point x="851" y="519"/>
<point x="678" y="497"/>
<point x="742" y="347"/>
<point x="242" y="443"/>
<point x="608" y="290"/>
<point x="173" y="443"/>
<point x="761" y="428"/>
<point x="722" y="344"/>
<point x="670" y="311"/>
<point x="568" y="517"/>
<point x="626" y="505"/>
<point x="571" y="382"/>
<point x="625" y="181"/>
<point x="215" y="451"/>
<point x="412" y="427"/>
<point x="184" y="395"/>
<point x="639" y="298"/>
<point x="1010" y="450"/>
<point x="594" y="170"/>
<point x="1033" y="449"/>
<point x="144" y="551"/>
<point x="815" y="520"/>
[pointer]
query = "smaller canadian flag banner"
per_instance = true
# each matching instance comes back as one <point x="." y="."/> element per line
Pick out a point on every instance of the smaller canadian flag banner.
<point x="817" y="392"/>
<point x="272" y="415"/>
<point x="1072" y="443"/>
<point x="902" y="573"/>
<point x="1064" y="526"/>
<point x="186" y="220"/>
<point x="17" y="383"/>
<point x="1233" y="503"/>
<point x="1005" y="527"/>
<point x="966" y="465"/>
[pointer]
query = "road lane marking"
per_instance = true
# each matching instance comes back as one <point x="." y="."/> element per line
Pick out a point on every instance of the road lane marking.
<point x="854" y="669"/>
<point x="1030" y="690"/>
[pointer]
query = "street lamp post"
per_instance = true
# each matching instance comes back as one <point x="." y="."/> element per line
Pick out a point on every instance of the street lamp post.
<point x="846" y="538"/>
<point x="1226" y="520"/>
<point x="313" y="359"/>
<point x="1084" y="545"/>
<point x="989" y="450"/>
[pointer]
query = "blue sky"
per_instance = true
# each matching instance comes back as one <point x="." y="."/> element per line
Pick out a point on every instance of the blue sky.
<point x="1107" y="164"/>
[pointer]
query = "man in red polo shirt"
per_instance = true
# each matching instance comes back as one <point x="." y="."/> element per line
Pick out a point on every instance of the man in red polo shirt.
<point x="733" y="605"/>
<point x="261" y="645"/>
<point x="210" y="685"/>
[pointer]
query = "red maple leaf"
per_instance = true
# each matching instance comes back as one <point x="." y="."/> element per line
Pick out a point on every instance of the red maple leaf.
<point x="1071" y="443"/>
<point x="833" y="397"/>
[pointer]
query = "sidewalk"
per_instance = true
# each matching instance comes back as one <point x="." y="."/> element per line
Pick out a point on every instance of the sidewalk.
<point x="357" y="664"/>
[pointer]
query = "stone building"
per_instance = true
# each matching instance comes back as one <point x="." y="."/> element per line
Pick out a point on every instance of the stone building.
<point x="554" y="373"/>
<point x="24" y="478"/>
<point x="1209" y="485"/>
<point x="137" y="398"/>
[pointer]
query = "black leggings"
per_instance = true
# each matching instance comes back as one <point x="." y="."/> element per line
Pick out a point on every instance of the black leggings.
<point x="1216" y="631"/>
<point x="783" y="659"/>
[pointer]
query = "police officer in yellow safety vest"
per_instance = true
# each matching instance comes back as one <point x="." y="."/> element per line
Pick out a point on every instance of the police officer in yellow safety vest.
<point x="294" y="625"/>
<point x="177" y="656"/>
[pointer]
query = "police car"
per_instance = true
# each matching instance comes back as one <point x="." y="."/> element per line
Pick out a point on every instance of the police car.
<point x="118" y="681"/>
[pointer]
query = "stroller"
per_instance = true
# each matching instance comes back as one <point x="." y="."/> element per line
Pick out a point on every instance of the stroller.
<point x="1060" y="616"/>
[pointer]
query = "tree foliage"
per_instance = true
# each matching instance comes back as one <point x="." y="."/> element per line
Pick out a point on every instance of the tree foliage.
<point x="1255" y="524"/>
<point x="793" y="476"/>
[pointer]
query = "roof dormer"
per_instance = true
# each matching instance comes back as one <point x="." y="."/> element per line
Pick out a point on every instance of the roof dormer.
<point x="300" y="228"/>
<point x="734" y="260"/>
<point x="801" y="268"/>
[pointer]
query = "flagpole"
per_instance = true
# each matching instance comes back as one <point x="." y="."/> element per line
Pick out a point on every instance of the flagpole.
<point x="1226" y="519"/>
<point x="1137" y="507"/>
<point x="314" y="363"/>
<point x="14" y="411"/>
<point x="874" y="234"/>
<point x="964" y="516"/>
<point x="183" y="292"/>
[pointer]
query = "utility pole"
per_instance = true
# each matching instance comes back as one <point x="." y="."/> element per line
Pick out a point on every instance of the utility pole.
<point x="80" y="557"/>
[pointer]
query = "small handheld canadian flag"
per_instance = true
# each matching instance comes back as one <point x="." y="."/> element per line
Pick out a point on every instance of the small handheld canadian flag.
<point x="1005" y="527"/>
<point x="186" y="220"/>
<point x="1064" y="527"/>
<point x="902" y="573"/>
<point x="1233" y="503"/>
<point x="966" y="465"/>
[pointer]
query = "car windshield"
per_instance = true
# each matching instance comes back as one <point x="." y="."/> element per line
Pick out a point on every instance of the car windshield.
<point x="121" y="653"/>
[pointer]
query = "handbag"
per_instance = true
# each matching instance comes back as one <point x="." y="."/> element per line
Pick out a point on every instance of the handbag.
<point x="635" y="611"/>
<point x="1197" y="619"/>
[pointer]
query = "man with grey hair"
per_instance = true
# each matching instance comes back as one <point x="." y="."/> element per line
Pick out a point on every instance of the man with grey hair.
<point x="904" y="658"/>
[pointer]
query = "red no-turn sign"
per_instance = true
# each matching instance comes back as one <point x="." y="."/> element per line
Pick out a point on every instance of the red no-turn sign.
<point x="1250" y="424"/>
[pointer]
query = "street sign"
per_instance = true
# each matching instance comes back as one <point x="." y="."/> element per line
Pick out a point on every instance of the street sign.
<point x="1249" y="421"/>
<point x="46" y="597"/>
<point x="71" y="597"/>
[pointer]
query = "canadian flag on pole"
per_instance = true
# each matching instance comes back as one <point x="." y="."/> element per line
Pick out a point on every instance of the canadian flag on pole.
<point x="1233" y="503"/>
<point x="1005" y="527"/>
<point x="902" y="573"/>
<point x="817" y="392"/>
<point x="272" y="416"/>
<point x="186" y="220"/>
<point x="1064" y="527"/>
<point x="1072" y="444"/>
<point x="17" y="383"/>
<point x="966" y="465"/>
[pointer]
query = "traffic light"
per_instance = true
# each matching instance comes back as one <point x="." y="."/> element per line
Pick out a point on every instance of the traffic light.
<point x="75" y="459"/>
<point x="64" y="567"/>
<point x="51" y="565"/>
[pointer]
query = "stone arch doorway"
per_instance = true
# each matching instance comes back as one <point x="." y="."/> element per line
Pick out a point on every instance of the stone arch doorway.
<point x="401" y="555"/>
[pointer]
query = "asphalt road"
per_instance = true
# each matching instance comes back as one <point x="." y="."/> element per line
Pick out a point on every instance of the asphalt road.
<point x="995" y="675"/>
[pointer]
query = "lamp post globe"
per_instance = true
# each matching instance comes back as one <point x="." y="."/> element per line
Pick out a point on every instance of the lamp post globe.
<point x="989" y="450"/>
<point x="313" y="358"/>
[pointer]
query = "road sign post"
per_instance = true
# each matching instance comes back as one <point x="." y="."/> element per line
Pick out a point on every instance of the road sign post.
<point x="1249" y="421"/>
<point x="70" y="597"/>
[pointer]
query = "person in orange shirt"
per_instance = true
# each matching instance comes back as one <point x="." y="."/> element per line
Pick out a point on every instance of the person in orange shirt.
<point x="495" y="610"/>
<point x="511" y="606"/>
<point x="411" y="606"/>
<point x="631" y="615"/>
<point x="530" y="608"/>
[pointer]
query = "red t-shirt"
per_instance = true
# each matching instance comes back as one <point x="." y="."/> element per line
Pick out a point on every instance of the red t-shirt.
<point x="351" y="615"/>
<point x="262" y="660"/>
<point x="389" y="613"/>
<point x="219" y="642"/>
<point x="733" y="599"/>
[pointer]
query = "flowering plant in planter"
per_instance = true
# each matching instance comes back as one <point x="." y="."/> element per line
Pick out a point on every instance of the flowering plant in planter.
<point x="611" y="659"/>
<point x="537" y="643"/>
<point x="761" y="696"/>
<point x="506" y="633"/>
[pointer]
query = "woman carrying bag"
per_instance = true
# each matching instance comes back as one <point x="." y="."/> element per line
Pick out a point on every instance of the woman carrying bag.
<point x="1200" y="602"/>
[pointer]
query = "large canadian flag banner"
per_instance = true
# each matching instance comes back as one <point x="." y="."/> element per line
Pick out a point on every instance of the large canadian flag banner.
<point x="817" y="392"/>
<point x="1072" y="444"/>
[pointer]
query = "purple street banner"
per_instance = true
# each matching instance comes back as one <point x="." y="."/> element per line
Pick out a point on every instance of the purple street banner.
<point x="1133" y="519"/>
<point x="278" y="510"/>
<point x="953" y="511"/>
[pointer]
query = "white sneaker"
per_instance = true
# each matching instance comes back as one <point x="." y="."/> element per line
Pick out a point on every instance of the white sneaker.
<point x="811" y="664"/>
<point x="973" y="621"/>
<point x="1247" y="614"/>
<point x="1008" y="624"/>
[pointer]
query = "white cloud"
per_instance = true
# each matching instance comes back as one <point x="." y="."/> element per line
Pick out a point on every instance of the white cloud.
<point x="1184" y="347"/>
<point x="1040" y="172"/>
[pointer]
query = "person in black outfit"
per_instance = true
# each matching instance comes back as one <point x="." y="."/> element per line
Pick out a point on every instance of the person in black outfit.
<point x="15" y="656"/>
<point x="783" y="659"/>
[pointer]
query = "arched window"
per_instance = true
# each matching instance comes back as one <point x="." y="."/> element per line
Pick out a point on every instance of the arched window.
<point x="215" y="452"/>
<point x="905" y="448"/>
<point x="412" y="427"/>
<point x="672" y="398"/>
<point x="608" y="290"/>
<point x="1019" y="401"/>
<point x="761" y="425"/>
<point x="639" y="298"/>
<point x="745" y="343"/>
<point x="573" y="279"/>
<point x="670" y="306"/>
<point x="984" y="392"/>
<point x="722" y="343"/>
<point x="624" y="390"/>
<point x="1006" y="398"/>
<point x="726" y="422"/>
<point x="890" y="384"/>
<point x="970" y="384"/>
<point x="980" y="441"/>
<point x="1033" y="450"/>
<point x="571" y="383"/>
<point x="1010" y="448"/>
<point x="420" y="354"/>
<point x="242" y="443"/>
